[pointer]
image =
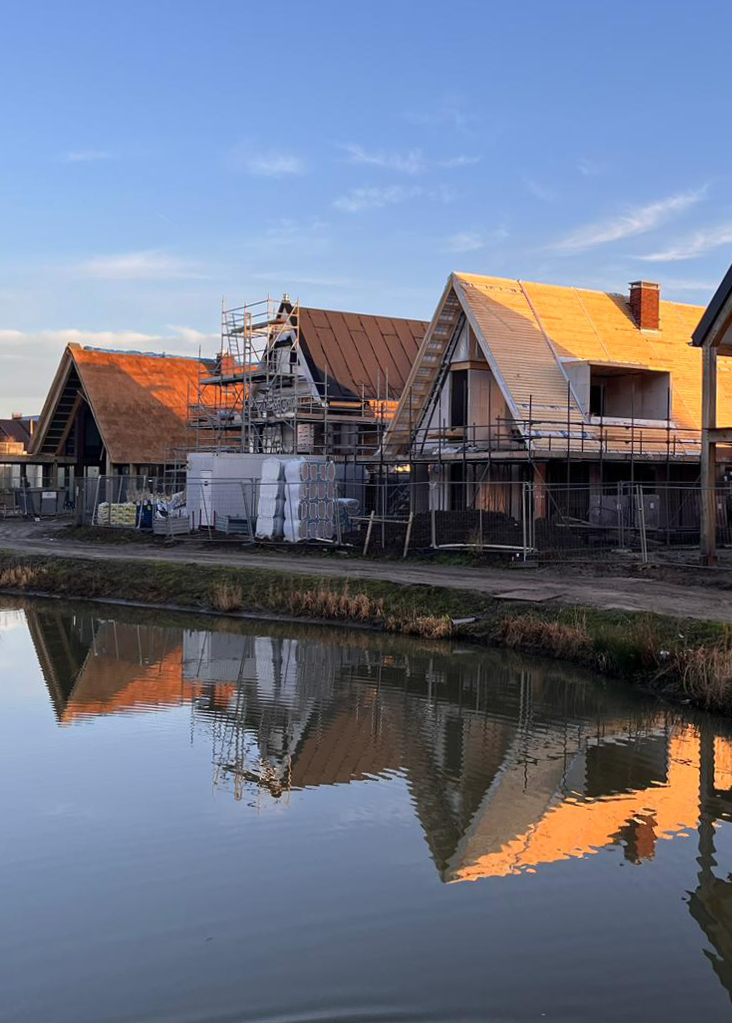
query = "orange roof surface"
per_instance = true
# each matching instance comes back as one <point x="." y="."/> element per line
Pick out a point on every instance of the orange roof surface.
<point x="569" y="826"/>
<point x="530" y="328"/>
<point x="139" y="402"/>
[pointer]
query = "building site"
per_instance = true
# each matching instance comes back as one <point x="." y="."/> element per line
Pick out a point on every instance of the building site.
<point x="525" y="419"/>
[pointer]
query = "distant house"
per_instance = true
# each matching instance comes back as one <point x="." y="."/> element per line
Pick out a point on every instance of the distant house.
<point x="110" y="412"/>
<point x="15" y="441"/>
<point x="519" y="381"/>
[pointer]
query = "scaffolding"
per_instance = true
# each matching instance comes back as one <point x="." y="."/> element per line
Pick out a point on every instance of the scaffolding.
<point x="261" y="394"/>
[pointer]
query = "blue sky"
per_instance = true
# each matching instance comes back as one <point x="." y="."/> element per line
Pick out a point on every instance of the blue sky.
<point x="157" y="157"/>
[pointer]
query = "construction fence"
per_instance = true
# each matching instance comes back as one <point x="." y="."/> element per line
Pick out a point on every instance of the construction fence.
<point x="395" y="515"/>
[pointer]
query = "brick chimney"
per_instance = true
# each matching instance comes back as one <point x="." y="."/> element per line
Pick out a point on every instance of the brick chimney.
<point x="645" y="300"/>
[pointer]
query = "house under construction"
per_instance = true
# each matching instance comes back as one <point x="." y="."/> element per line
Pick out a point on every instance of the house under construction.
<point x="290" y="379"/>
<point x="551" y="385"/>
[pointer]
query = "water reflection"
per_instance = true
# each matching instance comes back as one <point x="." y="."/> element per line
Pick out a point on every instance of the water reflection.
<point x="510" y="768"/>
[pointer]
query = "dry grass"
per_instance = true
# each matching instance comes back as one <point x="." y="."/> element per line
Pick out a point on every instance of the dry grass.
<point x="19" y="577"/>
<point x="227" y="597"/>
<point x="425" y="626"/>
<point x="331" y="604"/>
<point x="705" y="674"/>
<point x="560" y="639"/>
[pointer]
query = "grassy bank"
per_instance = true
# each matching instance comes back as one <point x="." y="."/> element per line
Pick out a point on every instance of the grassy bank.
<point x="682" y="660"/>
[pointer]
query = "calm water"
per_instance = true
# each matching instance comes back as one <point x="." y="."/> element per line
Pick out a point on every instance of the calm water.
<point x="279" y="824"/>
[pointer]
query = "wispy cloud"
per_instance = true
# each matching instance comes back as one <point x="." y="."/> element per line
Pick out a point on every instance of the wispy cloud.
<point x="460" y="161"/>
<point x="175" y="335"/>
<point x="637" y="220"/>
<point x="538" y="189"/>
<point x="693" y="246"/>
<point x="372" y="198"/>
<point x="358" y="199"/>
<point x="411" y="162"/>
<point x="295" y="236"/>
<point x="266" y="163"/>
<point x="85" y="156"/>
<point x="25" y="391"/>
<point x="590" y="168"/>
<point x="472" y="241"/>
<point x="151" y="265"/>
<point x="671" y="284"/>
<point x="450" y="113"/>
<point x="288" y="277"/>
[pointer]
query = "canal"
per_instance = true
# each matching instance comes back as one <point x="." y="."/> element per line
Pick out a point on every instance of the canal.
<point x="210" y="821"/>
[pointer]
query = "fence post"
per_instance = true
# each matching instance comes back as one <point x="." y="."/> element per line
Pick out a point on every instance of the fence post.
<point x="372" y="516"/>
<point x="433" y="528"/>
<point x="409" y="534"/>
<point x="642" y="524"/>
<point x="523" y="519"/>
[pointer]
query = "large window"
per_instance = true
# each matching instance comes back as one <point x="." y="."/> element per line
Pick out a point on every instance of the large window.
<point x="623" y="392"/>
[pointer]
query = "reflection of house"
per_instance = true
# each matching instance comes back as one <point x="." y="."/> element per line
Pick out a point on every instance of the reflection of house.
<point x="115" y="412"/>
<point x="501" y="782"/>
<point x="96" y="667"/>
<point x="519" y="381"/>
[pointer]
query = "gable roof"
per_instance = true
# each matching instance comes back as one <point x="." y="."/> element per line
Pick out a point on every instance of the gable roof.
<point x="528" y="333"/>
<point x="139" y="401"/>
<point x="16" y="430"/>
<point x="591" y="326"/>
<point x="359" y="353"/>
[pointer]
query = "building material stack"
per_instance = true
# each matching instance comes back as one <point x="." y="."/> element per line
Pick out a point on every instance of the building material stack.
<point x="271" y="503"/>
<point x="310" y="506"/>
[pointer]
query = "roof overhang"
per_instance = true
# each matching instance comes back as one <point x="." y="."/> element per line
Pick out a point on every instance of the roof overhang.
<point x="715" y="326"/>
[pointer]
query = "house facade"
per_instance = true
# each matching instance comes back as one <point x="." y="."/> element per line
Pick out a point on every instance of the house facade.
<point x="115" y="413"/>
<point x="292" y="379"/>
<point x="562" y="386"/>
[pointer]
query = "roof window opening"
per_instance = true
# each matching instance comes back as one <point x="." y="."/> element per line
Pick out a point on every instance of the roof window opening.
<point x="629" y="392"/>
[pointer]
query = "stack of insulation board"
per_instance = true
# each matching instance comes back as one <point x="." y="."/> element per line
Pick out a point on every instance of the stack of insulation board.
<point x="123" y="515"/>
<point x="271" y="502"/>
<point x="310" y="505"/>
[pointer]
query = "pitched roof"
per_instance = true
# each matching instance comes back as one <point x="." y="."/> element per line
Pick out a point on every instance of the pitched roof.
<point x="531" y="327"/>
<point x="359" y="353"/>
<point x="15" y="430"/>
<point x="719" y="300"/>
<point x="139" y="401"/>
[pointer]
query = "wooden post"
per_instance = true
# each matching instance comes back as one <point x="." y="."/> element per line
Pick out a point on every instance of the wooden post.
<point x="708" y="524"/>
<point x="409" y="534"/>
<point x="372" y="516"/>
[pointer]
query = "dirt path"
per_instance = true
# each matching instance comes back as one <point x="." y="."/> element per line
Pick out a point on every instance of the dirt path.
<point x="608" y="592"/>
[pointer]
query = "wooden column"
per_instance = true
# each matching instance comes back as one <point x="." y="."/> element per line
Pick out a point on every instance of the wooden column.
<point x="709" y="457"/>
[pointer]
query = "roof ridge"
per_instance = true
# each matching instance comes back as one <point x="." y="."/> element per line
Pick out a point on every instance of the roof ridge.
<point x="352" y="312"/>
<point x="519" y="281"/>
<point x="146" y="355"/>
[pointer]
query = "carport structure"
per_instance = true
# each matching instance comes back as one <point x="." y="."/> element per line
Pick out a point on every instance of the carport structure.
<point x="714" y="336"/>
